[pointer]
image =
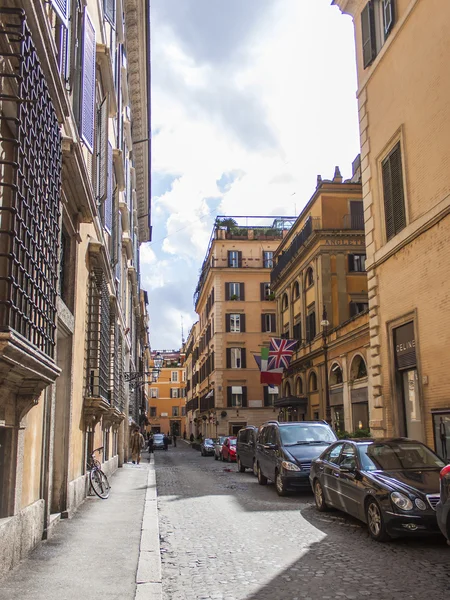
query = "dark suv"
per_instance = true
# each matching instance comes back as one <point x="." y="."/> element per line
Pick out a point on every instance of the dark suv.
<point x="284" y="452"/>
<point x="246" y="449"/>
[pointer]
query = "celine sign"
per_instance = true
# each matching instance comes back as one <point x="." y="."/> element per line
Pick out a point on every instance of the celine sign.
<point x="405" y="346"/>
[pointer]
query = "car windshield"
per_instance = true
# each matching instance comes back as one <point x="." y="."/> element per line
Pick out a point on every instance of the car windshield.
<point x="158" y="436"/>
<point x="232" y="442"/>
<point x="395" y="456"/>
<point x="221" y="439"/>
<point x="208" y="442"/>
<point x="293" y="435"/>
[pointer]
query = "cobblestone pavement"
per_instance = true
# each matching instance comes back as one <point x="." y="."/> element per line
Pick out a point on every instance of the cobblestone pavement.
<point x="224" y="537"/>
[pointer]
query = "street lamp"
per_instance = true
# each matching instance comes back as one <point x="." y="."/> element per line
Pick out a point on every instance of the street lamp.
<point x="325" y="324"/>
<point x="158" y="360"/>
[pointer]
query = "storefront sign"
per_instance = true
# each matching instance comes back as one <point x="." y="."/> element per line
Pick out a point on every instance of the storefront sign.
<point x="360" y="395"/>
<point x="336" y="397"/>
<point x="344" y="242"/>
<point x="405" y="346"/>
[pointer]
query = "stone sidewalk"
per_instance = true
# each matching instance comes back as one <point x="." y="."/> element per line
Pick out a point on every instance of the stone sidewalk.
<point x="110" y="549"/>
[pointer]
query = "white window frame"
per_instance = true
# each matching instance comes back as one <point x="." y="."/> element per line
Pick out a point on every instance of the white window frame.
<point x="174" y="393"/>
<point x="267" y="262"/>
<point x="174" y="376"/>
<point x="233" y="259"/>
<point x="154" y="392"/>
<point x="268" y="323"/>
<point x="235" y="323"/>
<point x="183" y="376"/>
<point x="235" y="289"/>
<point x="175" y="411"/>
<point x="267" y="291"/>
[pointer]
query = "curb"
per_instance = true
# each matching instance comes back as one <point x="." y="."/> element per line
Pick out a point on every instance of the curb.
<point x="148" y="576"/>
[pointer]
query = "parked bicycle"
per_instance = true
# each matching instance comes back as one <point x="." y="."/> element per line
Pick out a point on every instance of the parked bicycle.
<point x="98" y="480"/>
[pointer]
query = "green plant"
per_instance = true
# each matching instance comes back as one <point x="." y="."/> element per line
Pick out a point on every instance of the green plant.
<point x="359" y="433"/>
<point x="271" y="296"/>
<point x="234" y="297"/>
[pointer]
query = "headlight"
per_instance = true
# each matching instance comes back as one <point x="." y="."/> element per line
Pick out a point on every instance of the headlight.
<point x="401" y="501"/>
<point x="289" y="466"/>
<point x="420" y="504"/>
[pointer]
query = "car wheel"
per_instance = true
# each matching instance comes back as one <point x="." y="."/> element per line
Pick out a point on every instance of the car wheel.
<point x="241" y="467"/>
<point x="375" y="521"/>
<point x="319" y="498"/>
<point x="279" y="485"/>
<point x="261" y="479"/>
<point x="255" y="468"/>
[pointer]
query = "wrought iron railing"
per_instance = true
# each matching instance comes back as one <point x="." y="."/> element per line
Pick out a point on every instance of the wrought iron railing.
<point x="98" y="337"/>
<point x="311" y="224"/>
<point x="30" y="187"/>
<point x="206" y="403"/>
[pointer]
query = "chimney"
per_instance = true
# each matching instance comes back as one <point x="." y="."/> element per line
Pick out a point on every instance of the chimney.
<point x="319" y="180"/>
<point x="337" y="176"/>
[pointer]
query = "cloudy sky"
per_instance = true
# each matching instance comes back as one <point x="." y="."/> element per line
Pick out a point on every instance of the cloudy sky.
<point x="251" y="100"/>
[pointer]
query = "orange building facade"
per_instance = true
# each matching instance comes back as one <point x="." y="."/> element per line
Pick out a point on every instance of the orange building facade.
<point x="167" y="394"/>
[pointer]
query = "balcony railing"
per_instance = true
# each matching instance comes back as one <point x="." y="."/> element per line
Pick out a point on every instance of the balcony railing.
<point x="192" y="405"/>
<point x="354" y="222"/>
<point x="311" y="224"/>
<point x="206" y="403"/>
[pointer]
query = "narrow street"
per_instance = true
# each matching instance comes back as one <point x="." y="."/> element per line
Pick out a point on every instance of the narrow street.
<point x="225" y="537"/>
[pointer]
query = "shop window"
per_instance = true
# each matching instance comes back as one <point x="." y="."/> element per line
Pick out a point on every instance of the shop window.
<point x="338" y="419"/>
<point x="360" y="416"/>
<point x="359" y="368"/>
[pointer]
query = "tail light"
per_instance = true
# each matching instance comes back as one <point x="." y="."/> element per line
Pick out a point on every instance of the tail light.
<point x="445" y="472"/>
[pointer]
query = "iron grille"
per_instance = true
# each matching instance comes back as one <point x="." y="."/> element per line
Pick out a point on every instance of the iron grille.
<point x="30" y="186"/>
<point x="98" y="336"/>
<point x="121" y="372"/>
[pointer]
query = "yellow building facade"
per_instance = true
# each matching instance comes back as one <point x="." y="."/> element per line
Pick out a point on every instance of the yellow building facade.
<point x="167" y="394"/>
<point x="320" y="286"/>
<point x="403" y="53"/>
<point x="237" y="316"/>
<point x="72" y="318"/>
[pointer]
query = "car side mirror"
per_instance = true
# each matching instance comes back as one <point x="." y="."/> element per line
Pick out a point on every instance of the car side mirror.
<point x="348" y="468"/>
<point x="271" y="446"/>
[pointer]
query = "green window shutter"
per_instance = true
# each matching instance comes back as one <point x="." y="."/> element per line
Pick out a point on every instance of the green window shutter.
<point x="242" y="323"/>
<point x="244" y="396"/>
<point x="88" y="83"/>
<point x="229" y="399"/>
<point x="388" y="16"/>
<point x="368" y="34"/>
<point x="241" y="291"/>
<point x="394" y="201"/>
<point x="227" y="291"/>
<point x="228" y="358"/>
<point x="243" y="358"/>
<point x="227" y="323"/>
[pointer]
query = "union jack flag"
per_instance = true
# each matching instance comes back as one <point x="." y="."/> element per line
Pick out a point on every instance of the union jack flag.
<point x="280" y="353"/>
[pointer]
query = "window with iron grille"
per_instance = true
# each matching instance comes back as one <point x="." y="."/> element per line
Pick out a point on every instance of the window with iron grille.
<point x="98" y="336"/>
<point x="31" y="190"/>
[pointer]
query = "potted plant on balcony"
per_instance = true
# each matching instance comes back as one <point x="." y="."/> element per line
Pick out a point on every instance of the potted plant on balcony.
<point x="234" y="297"/>
<point x="271" y="296"/>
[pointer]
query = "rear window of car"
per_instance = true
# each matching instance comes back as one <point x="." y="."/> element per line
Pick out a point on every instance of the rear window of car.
<point x="294" y="434"/>
<point x="393" y="456"/>
<point x="232" y="442"/>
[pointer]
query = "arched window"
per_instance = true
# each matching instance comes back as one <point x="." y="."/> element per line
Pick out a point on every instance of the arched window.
<point x="313" y="382"/>
<point x="299" y="387"/>
<point x="336" y="375"/>
<point x="296" y="291"/>
<point x="309" y="277"/>
<point x="287" y="390"/>
<point x="285" y="302"/>
<point x="359" y="368"/>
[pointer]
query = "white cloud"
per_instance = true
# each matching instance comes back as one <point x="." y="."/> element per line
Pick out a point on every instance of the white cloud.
<point x="273" y="101"/>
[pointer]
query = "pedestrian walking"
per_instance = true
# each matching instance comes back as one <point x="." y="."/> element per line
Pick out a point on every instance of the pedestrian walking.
<point x="174" y="439"/>
<point x="166" y="442"/>
<point x="137" y="444"/>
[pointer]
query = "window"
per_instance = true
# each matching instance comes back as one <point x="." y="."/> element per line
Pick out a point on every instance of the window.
<point x="175" y="411"/>
<point x="154" y="393"/>
<point x="311" y="326"/>
<point x="357" y="263"/>
<point x="313" y="382"/>
<point x="153" y="411"/>
<point x="183" y="376"/>
<point x="235" y="323"/>
<point x="174" y="376"/>
<point x="183" y="411"/>
<point x="377" y="21"/>
<point x="394" y="200"/>
<point x="234" y="291"/>
<point x="237" y="396"/>
<point x="358" y="307"/>
<point x="358" y="369"/>
<point x="296" y="291"/>
<point x="266" y="294"/>
<point x="234" y="259"/>
<point x="298" y="332"/>
<point x="268" y="323"/>
<point x="271" y="393"/>
<point x="309" y="277"/>
<point x="174" y="393"/>
<point x="332" y="455"/>
<point x="299" y="387"/>
<point x="268" y="260"/>
<point x="284" y="302"/>
<point x="236" y="360"/>
<point x="109" y="8"/>
<point x="336" y="375"/>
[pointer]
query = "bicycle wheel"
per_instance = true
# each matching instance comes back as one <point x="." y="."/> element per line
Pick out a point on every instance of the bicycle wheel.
<point x="100" y="483"/>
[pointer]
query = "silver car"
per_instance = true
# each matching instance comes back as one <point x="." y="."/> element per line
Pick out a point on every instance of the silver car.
<point x="218" y="446"/>
<point x="158" y="441"/>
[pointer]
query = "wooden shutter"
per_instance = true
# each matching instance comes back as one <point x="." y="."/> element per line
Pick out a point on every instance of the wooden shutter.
<point x="229" y="400"/>
<point x="62" y="8"/>
<point x="351" y="263"/>
<point x="263" y="323"/>
<point x="227" y="323"/>
<point x="239" y="259"/>
<point x="262" y="291"/>
<point x="243" y="358"/>
<point x="101" y="150"/>
<point x="88" y="83"/>
<point x="227" y="291"/>
<point x="368" y="34"/>
<point x="273" y="323"/>
<point x="394" y="201"/>
<point x="308" y="328"/>
<point x="266" y="395"/>
<point x="109" y="8"/>
<point x="229" y="264"/>
<point x="109" y="192"/>
<point x="244" y="396"/>
<point x="228" y="358"/>
<point x="241" y="291"/>
<point x="388" y="16"/>
<point x="242" y="319"/>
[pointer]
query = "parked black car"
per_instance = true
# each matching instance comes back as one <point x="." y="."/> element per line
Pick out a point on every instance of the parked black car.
<point x="284" y="452"/>
<point x="246" y="449"/>
<point x="443" y="506"/>
<point x="207" y="447"/>
<point x="392" y="485"/>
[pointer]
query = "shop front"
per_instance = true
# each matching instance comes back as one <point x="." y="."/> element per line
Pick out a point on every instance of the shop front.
<point x="292" y="408"/>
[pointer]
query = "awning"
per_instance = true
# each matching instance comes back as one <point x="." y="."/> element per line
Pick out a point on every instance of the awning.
<point x="236" y="389"/>
<point x="292" y="401"/>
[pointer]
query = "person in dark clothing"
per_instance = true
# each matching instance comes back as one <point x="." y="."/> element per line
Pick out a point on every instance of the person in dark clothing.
<point x="166" y="442"/>
<point x="174" y="439"/>
<point x="150" y="444"/>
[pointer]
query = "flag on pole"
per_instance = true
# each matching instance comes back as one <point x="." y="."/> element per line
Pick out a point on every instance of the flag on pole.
<point x="280" y="353"/>
<point x="269" y="376"/>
